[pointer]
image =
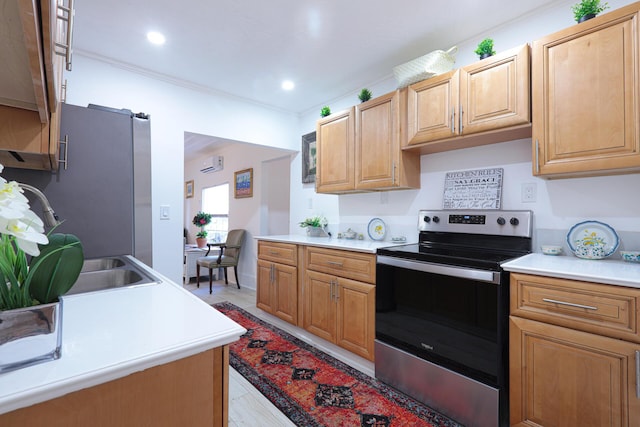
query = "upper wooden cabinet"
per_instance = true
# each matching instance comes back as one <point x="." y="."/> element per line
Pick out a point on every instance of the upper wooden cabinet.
<point x="31" y="88"/>
<point x="586" y="97"/>
<point x="380" y="162"/>
<point x="483" y="103"/>
<point x="360" y="149"/>
<point x="335" y="151"/>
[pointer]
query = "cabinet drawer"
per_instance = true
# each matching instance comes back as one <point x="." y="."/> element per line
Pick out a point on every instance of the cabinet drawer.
<point x="351" y="265"/>
<point x="284" y="253"/>
<point x="603" y="309"/>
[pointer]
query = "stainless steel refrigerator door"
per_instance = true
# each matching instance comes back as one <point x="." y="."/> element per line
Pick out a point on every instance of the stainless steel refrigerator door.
<point x="94" y="196"/>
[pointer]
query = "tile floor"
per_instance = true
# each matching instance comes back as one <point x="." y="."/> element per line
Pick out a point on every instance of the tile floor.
<point x="247" y="406"/>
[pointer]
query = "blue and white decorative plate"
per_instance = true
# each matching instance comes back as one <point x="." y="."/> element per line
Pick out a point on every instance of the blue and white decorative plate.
<point x="376" y="229"/>
<point x="592" y="240"/>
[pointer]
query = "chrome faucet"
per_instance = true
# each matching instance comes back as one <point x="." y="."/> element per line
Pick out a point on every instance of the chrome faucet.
<point x="50" y="218"/>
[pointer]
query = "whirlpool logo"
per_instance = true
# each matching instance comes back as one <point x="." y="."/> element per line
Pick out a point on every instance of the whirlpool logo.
<point x="426" y="346"/>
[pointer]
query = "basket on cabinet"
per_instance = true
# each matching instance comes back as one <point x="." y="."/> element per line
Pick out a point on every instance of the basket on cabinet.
<point x="429" y="65"/>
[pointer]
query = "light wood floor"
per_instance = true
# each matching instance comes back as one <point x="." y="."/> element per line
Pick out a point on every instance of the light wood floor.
<point x="247" y="406"/>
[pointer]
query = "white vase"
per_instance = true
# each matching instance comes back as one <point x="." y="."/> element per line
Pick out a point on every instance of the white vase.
<point x="316" y="232"/>
<point x="30" y="335"/>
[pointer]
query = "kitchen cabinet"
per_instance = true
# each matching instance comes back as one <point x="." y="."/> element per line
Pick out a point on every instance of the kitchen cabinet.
<point x="380" y="162"/>
<point x="339" y="298"/>
<point x="360" y="149"/>
<point x="483" y="103"/>
<point x="277" y="287"/>
<point x="31" y="89"/>
<point x="192" y="391"/>
<point x="335" y="153"/>
<point x="574" y="353"/>
<point x="586" y="93"/>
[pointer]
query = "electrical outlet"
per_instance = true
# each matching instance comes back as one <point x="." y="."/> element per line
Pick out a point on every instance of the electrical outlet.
<point x="529" y="190"/>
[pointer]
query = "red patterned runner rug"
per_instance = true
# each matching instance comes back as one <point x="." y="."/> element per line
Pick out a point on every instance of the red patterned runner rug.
<point x="314" y="389"/>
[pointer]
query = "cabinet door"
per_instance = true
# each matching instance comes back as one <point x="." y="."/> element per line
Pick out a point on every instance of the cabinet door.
<point x="377" y="144"/>
<point x="433" y="107"/>
<point x="335" y="153"/>
<point x="319" y="305"/>
<point x="265" y="288"/>
<point x="586" y="97"/>
<point x="494" y="93"/>
<point x="356" y="317"/>
<point x="285" y="299"/>
<point x="562" y="377"/>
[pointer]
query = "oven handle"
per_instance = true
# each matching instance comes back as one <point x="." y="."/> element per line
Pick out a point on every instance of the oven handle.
<point x="445" y="270"/>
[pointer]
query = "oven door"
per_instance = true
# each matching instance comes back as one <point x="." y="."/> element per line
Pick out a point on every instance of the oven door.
<point x="455" y="317"/>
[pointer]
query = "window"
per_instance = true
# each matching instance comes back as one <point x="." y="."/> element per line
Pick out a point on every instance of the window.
<point x="215" y="200"/>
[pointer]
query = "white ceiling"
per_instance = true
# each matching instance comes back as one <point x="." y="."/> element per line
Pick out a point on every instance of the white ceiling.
<point x="329" y="48"/>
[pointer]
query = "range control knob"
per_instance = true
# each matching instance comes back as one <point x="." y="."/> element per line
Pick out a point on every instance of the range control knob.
<point x="514" y="221"/>
<point x="501" y="221"/>
<point x="426" y="219"/>
<point x="436" y="219"/>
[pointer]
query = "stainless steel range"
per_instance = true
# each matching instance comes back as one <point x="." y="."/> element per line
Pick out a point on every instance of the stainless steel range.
<point x="442" y="309"/>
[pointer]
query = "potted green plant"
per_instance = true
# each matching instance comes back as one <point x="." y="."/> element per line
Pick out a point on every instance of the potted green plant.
<point x="315" y="226"/>
<point x="201" y="220"/>
<point x="325" y="111"/>
<point x="30" y="303"/>
<point x="365" y="95"/>
<point x="587" y="9"/>
<point x="485" y="48"/>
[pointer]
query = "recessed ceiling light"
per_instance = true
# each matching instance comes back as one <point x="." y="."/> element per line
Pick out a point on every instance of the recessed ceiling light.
<point x="155" y="37"/>
<point x="288" y="85"/>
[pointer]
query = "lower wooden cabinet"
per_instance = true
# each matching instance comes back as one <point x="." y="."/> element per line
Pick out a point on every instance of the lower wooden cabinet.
<point x="193" y="391"/>
<point x="574" y="353"/>
<point x="340" y="311"/>
<point x="278" y="290"/>
<point x="563" y="377"/>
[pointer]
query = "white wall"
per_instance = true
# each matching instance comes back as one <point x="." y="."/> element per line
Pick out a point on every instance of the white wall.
<point x="560" y="203"/>
<point x="175" y="109"/>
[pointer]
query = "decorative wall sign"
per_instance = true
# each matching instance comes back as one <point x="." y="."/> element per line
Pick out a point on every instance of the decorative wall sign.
<point x="473" y="189"/>
<point x="243" y="183"/>
<point x="309" y="158"/>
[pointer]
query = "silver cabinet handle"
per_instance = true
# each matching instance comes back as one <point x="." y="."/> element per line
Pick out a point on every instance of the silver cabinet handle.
<point x="64" y="161"/>
<point x="460" y="121"/>
<point x="570" y="304"/>
<point x="453" y="125"/>
<point x="331" y="284"/>
<point x="638" y="374"/>
<point x="274" y="253"/>
<point x="335" y="263"/>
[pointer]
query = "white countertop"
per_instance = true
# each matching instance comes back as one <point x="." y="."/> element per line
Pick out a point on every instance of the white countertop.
<point x="608" y="271"/>
<point x="114" y="333"/>
<point x="369" y="246"/>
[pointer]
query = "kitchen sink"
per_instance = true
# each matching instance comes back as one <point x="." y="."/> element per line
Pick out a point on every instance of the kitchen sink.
<point x="101" y="264"/>
<point x="110" y="273"/>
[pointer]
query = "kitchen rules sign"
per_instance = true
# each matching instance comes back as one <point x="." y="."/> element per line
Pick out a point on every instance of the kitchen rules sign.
<point x="474" y="189"/>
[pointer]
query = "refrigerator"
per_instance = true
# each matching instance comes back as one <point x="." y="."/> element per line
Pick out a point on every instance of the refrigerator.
<point x="102" y="189"/>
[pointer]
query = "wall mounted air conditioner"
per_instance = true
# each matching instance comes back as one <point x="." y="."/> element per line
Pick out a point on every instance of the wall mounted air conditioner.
<point x="212" y="164"/>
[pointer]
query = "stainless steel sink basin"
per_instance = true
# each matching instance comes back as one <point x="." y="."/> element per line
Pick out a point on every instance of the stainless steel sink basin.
<point x="110" y="273"/>
<point x="101" y="264"/>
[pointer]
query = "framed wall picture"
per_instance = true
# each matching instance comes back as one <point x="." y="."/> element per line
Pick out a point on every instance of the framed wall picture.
<point x="243" y="183"/>
<point x="309" y="158"/>
<point x="188" y="189"/>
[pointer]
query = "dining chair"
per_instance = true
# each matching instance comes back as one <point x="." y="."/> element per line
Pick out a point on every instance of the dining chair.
<point x="228" y="256"/>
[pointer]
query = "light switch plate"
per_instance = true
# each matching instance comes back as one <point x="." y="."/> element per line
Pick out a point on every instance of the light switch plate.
<point x="165" y="212"/>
